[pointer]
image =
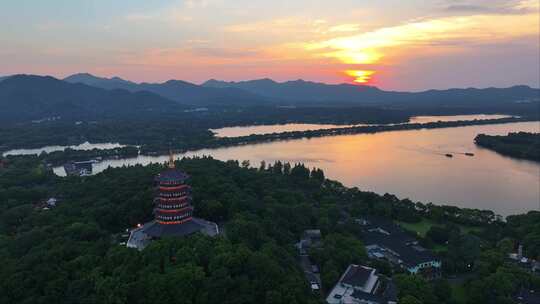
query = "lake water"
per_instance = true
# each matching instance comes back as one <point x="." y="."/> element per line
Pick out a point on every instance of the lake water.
<point x="49" y="149"/>
<point x="410" y="164"/>
<point x="266" y="129"/>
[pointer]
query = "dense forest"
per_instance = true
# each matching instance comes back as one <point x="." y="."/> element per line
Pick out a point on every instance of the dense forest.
<point x="71" y="253"/>
<point x="520" y="145"/>
<point x="180" y="129"/>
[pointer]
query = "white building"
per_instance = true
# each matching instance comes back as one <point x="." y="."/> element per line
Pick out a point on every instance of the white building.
<point x="362" y="285"/>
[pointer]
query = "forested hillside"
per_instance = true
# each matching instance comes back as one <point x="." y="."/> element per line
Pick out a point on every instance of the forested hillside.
<point x="520" y="145"/>
<point x="71" y="253"/>
<point x="30" y="97"/>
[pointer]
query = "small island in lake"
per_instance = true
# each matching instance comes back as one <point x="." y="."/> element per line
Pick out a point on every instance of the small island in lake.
<point x="520" y="145"/>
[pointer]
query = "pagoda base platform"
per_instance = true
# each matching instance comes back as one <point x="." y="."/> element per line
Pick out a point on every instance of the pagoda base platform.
<point x="142" y="236"/>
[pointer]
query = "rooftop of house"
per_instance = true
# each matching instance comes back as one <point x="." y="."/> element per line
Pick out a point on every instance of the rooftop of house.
<point x="386" y="234"/>
<point x="361" y="277"/>
<point x="361" y="283"/>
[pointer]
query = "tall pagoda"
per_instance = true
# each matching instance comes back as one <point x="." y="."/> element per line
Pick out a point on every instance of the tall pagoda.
<point x="173" y="212"/>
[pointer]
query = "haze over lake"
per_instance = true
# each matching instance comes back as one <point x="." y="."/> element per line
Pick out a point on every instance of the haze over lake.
<point x="410" y="164"/>
<point x="49" y="149"/>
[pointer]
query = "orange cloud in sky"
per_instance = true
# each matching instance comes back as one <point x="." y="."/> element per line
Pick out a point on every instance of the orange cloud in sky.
<point x="443" y="34"/>
<point x="327" y="50"/>
<point x="394" y="44"/>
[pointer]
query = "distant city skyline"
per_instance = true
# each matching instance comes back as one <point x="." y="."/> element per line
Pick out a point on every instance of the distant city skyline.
<point x="394" y="45"/>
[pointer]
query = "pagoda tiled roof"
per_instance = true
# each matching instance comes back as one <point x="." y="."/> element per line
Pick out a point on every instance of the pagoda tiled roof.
<point x="171" y="176"/>
<point x="156" y="229"/>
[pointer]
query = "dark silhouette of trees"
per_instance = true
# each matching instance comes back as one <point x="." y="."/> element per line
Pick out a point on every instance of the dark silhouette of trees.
<point x="520" y="145"/>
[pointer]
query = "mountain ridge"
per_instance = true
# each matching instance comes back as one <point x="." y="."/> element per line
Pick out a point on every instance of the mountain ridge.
<point x="90" y="79"/>
<point x="320" y="92"/>
<point x="224" y="83"/>
<point x="266" y="91"/>
<point x="26" y="97"/>
<point x="29" y="97"/>
<point x="182" y="92"/>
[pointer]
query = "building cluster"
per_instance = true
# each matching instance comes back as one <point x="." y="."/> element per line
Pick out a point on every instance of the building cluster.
<point x="46" y="204"/>
<point x="362" y="285"/>
<point x="81" y="168"/>
<point x="531" y="265"/>
<point x="387" y="241"/>
<point x="173" y="212"/>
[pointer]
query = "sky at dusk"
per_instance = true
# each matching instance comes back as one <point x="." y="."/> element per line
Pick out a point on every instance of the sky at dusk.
<point x="396" y="45"/>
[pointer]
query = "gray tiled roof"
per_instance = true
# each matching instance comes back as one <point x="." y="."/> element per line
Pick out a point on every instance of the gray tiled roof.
<point x="356" y="276"/>
<point x="172" y="175"/>
<point x="156" y="229"/>
<point x="398" y="240"/>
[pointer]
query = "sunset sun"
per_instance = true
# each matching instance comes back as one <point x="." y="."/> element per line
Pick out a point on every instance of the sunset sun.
<point x="360" y="76"/>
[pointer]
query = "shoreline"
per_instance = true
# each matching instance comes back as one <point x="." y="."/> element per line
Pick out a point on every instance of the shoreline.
<point x="223" y="142"/>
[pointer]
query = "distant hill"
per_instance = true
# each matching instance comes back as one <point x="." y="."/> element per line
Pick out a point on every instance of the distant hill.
<point x="101" y="82"/>
<point x="301" y="91"/>
<point x="180" y="91"/>
<point x="473" y="96"/>
<point x="26" y="97"/>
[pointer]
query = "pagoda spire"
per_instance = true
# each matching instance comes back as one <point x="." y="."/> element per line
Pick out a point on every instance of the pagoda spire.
<point x="171" y="160"/>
